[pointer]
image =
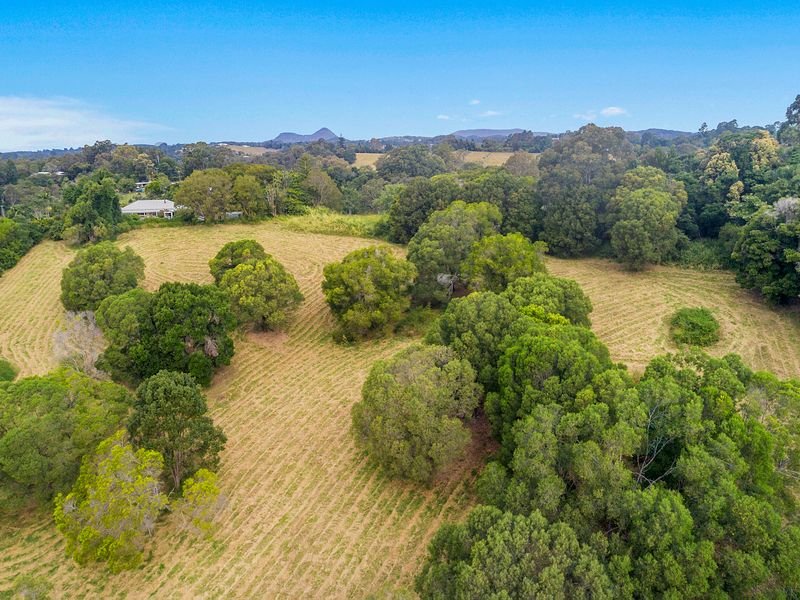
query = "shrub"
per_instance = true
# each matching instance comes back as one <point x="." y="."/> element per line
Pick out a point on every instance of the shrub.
<point x="694" y="326"/>
<point x="7" y="371"/>
<point x="369" y="290"/>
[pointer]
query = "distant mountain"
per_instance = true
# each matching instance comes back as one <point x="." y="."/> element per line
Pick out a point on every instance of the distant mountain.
<point x="485" y="134"/>
<point x="664" y="134"/>
<point x="298" y="138"/>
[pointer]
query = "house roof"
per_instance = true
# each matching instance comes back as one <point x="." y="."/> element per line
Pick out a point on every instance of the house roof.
<point x="148" y="206"/>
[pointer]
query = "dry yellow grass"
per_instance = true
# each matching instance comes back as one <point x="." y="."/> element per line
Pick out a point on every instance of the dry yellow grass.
<point x="484" y="159"/>
<point x="307" y="516"/>
<point x="631" y="312"/>
<point x="366" y="159"/>
<point x="248" y="150"/>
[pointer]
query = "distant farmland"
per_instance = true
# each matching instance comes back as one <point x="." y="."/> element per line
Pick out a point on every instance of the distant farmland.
<point x="485" y="159"/>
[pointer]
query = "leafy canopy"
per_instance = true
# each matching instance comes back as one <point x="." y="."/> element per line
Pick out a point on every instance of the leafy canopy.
<point x="410" y="417"/>
<point x="261" y="292"/>
<point x="233" y="254"/>
<point x="368" y="291"/>
<point x="170" y="417"/>
<point x="497" y="260"/>
<point x="97" y="272"/>
<point x="114" y="505"/>
<point x="442" y="243"/>
<point x="47" y="425"/>
<point x="181" y="327"/>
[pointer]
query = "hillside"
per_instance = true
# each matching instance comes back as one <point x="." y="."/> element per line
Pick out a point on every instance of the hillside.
<point x="288" y="137"/>
<point x="307" y="516"/>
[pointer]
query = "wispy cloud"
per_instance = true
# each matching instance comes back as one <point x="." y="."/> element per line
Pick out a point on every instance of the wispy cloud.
<point x="613" y="111"/>
<point x="444" y="117"/>
<point x="474" y="102"/>
<point x="491" y="113"/>
<point x="589" y="115"/>
<point x="37" y="123"/>
<point x="608" y="111"/>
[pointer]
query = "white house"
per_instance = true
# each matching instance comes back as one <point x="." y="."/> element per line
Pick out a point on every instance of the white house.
<point x="150" y="208"/>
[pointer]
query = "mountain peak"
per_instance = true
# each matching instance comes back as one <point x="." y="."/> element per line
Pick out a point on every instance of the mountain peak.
<point x="288" y="137"/>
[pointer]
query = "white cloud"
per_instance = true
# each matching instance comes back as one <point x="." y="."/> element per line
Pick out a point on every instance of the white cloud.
<point x="490" y="113"/>
<point x="613" y="111"/>
<point x="474" y="102"/>
<point x="587" y="116"/>
<point x="444" y="117"/>
<point x="38" y="123"/>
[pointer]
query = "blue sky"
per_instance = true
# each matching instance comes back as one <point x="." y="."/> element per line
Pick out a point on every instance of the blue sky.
<point x="180" y="71"/>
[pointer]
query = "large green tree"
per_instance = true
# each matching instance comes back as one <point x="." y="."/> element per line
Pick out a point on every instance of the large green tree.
<point x="170" y="416"/>
<point x="208" y="193"/>
<point x="114" y="505"/>
<point x="579" y="175"/>
<point x="502" y="555"/>
<point x="497" y="260"/>
<point x="97" y="272"/>
<point x="409" y="161"/>
<point x="369" y="290"/>
<point x="766" y="254"/>
<point x="181" y="327"/>
<point x="410" y="419"/>
<point x="262" y="292"/>
<point x="233" y="254"/>
<point x="93" y="211"/>
<point x="442" y="243"/>
<point x="554" y="294"/>
<point x="47" y="425"/>
<point x="414" y="202"/>
<point x="644" y="213"/>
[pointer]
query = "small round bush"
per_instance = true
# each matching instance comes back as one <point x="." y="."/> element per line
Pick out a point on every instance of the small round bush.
<point x="694" y="326"/>
<point x="7" y="371"/>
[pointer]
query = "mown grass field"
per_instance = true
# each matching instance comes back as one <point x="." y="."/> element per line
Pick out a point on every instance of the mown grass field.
<point x="307" y="517"/>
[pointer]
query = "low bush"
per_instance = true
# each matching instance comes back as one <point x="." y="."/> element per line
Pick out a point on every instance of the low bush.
<point x="694" y="326"/>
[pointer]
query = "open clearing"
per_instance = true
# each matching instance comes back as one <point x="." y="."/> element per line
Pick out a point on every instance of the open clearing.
<point x="631" y="313"/>
<point x="307" y="516"/>
<point x="484" y="159"/>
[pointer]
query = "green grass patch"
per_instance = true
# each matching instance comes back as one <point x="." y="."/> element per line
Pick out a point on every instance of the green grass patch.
<point x="694" y="326"/>
<point x="7" y="371"/>
<point x="325" y="221"/>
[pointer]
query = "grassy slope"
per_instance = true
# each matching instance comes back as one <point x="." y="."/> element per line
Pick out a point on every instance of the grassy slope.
<point x="307" y="516"/>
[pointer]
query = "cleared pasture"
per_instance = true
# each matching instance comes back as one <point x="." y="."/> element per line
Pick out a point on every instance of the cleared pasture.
<point x="307" y="517"/>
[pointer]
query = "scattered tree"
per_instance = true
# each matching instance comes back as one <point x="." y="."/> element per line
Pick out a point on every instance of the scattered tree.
<point x="233" y="254"/>
<point x="497" y="260"/>
<point x="47" y="425"/>
<point x="368" y="291"/>
<point x="442" y="243"/>
<point x="554" y="294"/>
<point x="97" y="272"/>
<point x="261" y="292"/>
<point x="410" y="417"/>
<point x="114" y="505"/>
<point x="170" y="417"/>
<point x="200" y="503"/>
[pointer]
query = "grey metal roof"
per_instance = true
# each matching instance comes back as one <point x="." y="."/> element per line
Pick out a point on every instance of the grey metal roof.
<point x="149" y="206"/>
